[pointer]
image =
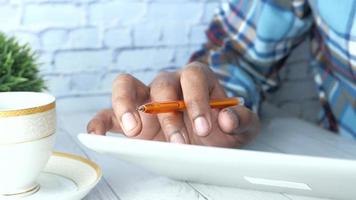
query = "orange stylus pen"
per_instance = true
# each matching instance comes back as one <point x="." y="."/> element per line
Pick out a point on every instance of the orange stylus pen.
<point x="174" y="106"/>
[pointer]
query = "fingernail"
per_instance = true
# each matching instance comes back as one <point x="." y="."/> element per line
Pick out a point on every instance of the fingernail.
<point x="128" y="121"/>
<point x="201" y="126"/>
<point x="233" y="116"/>
<point x="177" y="138"/>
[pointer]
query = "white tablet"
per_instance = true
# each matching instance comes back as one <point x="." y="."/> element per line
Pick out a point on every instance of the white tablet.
<point x="303" y="175"/>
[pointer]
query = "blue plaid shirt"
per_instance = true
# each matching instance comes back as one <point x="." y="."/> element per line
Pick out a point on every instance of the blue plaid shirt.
<point x="249" y="40"/>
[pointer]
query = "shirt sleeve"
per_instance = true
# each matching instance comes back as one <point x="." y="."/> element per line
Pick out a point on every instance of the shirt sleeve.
<point x="248" y="42"/>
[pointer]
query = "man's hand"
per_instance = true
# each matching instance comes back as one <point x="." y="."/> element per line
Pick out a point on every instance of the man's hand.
<point x="196" y="84"/>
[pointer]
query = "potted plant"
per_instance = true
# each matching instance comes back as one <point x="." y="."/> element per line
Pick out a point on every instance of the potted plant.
<point x="19" y="70"/>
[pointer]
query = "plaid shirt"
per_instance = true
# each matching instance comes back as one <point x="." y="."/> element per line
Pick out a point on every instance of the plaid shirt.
<point x="249" y="40"/>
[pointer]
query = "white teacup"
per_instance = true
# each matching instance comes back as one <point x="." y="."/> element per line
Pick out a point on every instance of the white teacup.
<point x="27" y="132"/>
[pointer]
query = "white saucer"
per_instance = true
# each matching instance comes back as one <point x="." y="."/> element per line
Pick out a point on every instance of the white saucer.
<point x="66" y="177"/>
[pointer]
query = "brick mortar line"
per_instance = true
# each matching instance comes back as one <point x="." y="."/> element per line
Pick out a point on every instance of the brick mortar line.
<point x="109" y="71"/>
<point x="83" y="94"/>
<point x="118" y="50"/>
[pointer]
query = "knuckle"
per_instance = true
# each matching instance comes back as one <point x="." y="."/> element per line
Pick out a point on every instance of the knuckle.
<point x="197" y="64"/>
<point x="164" y="74"/>
<point x="123" y="78"/>
<point x="122" y="97"/>
<point x="121" y="93"/>
<point x="189" y="74"/>
<point x="194" y="105"/>
<point x="249" y="115"/>
<point x="198" y="106"/>
<point x="169" y="122"/>
<point x="94" y="123"/>
<point x="163" y="83"/>
<point x="195" y="69"/>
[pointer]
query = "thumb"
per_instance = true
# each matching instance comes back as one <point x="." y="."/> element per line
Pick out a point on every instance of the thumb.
<point x="103" y="122"/>
<point x="237" y="120"/>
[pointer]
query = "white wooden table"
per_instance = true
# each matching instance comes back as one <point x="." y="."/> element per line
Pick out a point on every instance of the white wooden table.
<point x="123" y="181"/>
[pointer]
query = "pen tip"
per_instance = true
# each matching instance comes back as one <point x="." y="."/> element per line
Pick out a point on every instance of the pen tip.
<point x="140" y="108"/>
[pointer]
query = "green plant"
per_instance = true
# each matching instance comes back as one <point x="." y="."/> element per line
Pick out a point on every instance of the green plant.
<point x="18" y="67"/>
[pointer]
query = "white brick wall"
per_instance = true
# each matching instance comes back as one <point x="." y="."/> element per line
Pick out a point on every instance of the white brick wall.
<point x="84" y="44"/>
<point x="48" y="15"/>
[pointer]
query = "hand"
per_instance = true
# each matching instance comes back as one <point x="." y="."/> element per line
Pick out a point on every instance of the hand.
<point x="199" y="124"/>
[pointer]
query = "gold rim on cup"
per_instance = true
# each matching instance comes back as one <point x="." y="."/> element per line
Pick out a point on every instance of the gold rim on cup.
<point x="28" y="111"/>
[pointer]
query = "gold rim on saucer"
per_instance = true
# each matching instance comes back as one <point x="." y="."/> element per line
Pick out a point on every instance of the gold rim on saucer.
<point x="81" y="159"/>
<point x="31" y="191"/>
<point x="92" y="165"/>
<point x="28" y="111"/>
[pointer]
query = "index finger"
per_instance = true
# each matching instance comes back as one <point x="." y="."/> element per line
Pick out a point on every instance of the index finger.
<point x="197" y="84"/>
<point x="128" y="93"/>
